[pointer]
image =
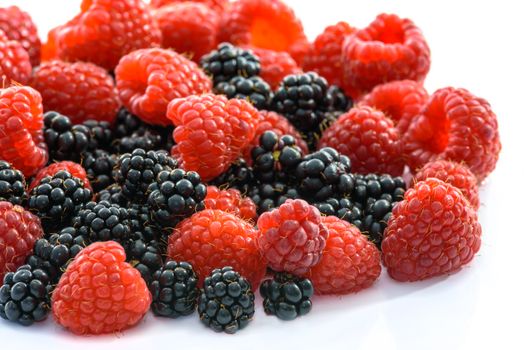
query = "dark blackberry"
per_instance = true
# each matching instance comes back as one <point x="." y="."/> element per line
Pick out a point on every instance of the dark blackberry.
<point x="174" y="290"/>
<point x="102" y="221"/>
<point x="287" y="296"/>
<point x="100" y="135"/>
<point x="99" y="166"/>
<point x="145" y="257"/>
<point x="12" y="184"/>
<point x="126" y="124"/>
<point x="339" y="101"/>
<point x="58" y="198"/>
<point x="253" y="89"/>
<point x="137" y="170"/>
<point x="112" y="194"/>
<point x="175" y="196"/>
<point x="311" y="137"/>
<point x="145" y="139"/>
<point x="342" y="208"/>
<point x="226" y="303"/>
<point x="229" y="61"/>
<point x="267" y="196"/>
<point x="64" y="140"/>
<point x="25" y="296"/>
<point x="239" y="176"/>
<point x="140" y="222"/>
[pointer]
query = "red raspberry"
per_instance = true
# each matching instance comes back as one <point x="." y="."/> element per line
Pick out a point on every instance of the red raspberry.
<point x="325" y="56"/>
<point x="79" y="90"/>
<point x="100" y="292"/>
<point x="369" y="139"/>
<point x="268" y="24"/>
<point x="292" y="236"/>
<point x="455" y="174"/>
<point x="458" y="126"/>
<point x="212" y="238"/>
<point x="230" y="201"/>
<point x="49" y="50"/>
<point x="19" y="230"/>
<point x="107" y="30"/>
<point x="73" y="168"/>
<point x="15" y="65"/>
<point x="390" y="48"/>
<point x="188" y="28"/>
<point x="400" y="100"/>
<point x="21" y="129"/>
<point x="148" y="79"/>
<point x="19" y="26"/>
<point x="349" y="262"/>
<point x="275" y="65"/>
<point x="432" y="232"/>
<point x="211" y="132"/>
<point x="217" y="5"/>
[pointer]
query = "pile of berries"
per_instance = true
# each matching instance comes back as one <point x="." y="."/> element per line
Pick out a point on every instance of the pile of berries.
<point x="213" y="150"/>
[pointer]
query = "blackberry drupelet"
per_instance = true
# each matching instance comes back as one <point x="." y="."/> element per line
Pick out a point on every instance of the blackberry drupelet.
<point x="287" y="296"/>
<point x="145" y="257"/>
<point x="102" y="221"/>
<point x="340" y="102"/>
<point x="229" y="61"/>
<point x="239" y="176"/>
<point x="12" y="184"/>
<point x="175" y="196"/>
<point x="126" y="124"/>
<point x="342" y="208"/>
<point x="267" y="196"/>
<point x="226" y="303"/>
<point x="25" y="296"/>
<point x="100" y="135"/>
<point x="112" y="194"/>
<point x="99" y="166"/>
<point x="58" y="198"/>
<point x="145" y="139"/>
<point x="174" y="290"/>
<point x="64" y="140"/>
<point x="140" y="222"/>
<point x="253" y="89"/>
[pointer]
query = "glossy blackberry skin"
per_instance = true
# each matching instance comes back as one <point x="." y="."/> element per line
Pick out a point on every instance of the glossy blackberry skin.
<point x="102" y="221"/>
<point x="12" y="184"/>
<point x="112" y="194"/>
<point x="99" y="166"/>
<point x="239" y="176"/>
<point x="340" y="102"/>
<point x="145" y="139"/>
<point x="312" y="136"/>
<point x="126" y="124"/>
<point x="229" y="61"/>
<point x="25" y="296"/>
<point x="64" y="140"/>
<point x="58" y="198"/>
<point x="343" y="208"/>
<point x="253" y="89"/>
<point x="140" y="222"/>
<point x="267" y="196"/>
<point x="100" y="134"/>
<point x="176" y="195"/>
<point x="226" y="303"/>
<point x="145" y="257"/>
<point x="287" y="296"/>
<point x="174" y="290"/>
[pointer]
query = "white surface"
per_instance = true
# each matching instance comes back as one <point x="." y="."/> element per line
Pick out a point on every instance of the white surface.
<point x="475" y="45"/>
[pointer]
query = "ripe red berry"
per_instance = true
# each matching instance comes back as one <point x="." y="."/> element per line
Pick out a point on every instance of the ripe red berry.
<point x="455" y="125"/>
<point x="148" y="79"/>
<point x="79" y="90"/>
<point x="390" y="48"/>
<point x="455" y="174"/>
<point x="349" y="263"/>
<point x="400" y="100"/>
<point x="15" y="65"/>
<point x="213" y="238"/>
<point x="432" y="232"/>
<point x="369" y="139"/>
<point x="21" y="129"/>
<point x="19" y="26"/>
<point x="275" y="65"/>
<point x="230" y="201"/>
<point x="292" y="237"/>
<point x="49" y="50"/>
<point x="99" y="292"/>
<point x="217" y="5"/>
<point x="73" y="168"/>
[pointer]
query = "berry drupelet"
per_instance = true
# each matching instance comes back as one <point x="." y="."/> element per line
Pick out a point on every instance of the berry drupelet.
<point x="64" y="140"/>
<point x="267" y="196"/>
<point x="144" y="256"/>
<point x="113" y="194"/>
<point x="343" y="208"/>
<point x="239" y="176"/>
<point x="140" y="222"/>
<point x="99" y="166"/>
<point x="102" y="221"/>
<point x="100" y="134"/>
<point x="126" y="124"/>
<point x="254" y="89"/>
<point x="12" y="184"/>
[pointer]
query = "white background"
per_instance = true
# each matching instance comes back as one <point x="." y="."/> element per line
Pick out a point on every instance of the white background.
<point x="477" y="45"/>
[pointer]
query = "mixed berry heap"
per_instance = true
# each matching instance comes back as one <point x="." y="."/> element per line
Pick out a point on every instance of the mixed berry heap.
<point x="146" y="181"/>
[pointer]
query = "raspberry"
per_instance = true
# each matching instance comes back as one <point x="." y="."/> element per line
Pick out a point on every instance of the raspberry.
<point x="432" y="232"/>
<point x="49" y="50"/>
<point x="73" y="168"/>
<point x="455" y="174"/>
<point x="230" y="201"/>
<point x="349" y="262"/>
<point x="292" y="237"/>
<point x="15" y="65"/>
<point x="268" y="24"/>
<point x="458" y="126"/>
<point x="114" y="296"/>
<point x="211" y="132"/>
<point x="275" y="65"/>
<point x="217" y="5"/>
<point x="211" y="239"/>
<point x="390" y="48"/>
<point x="369" y="139"/>
<point x="149" y="79"/>
<point x="400" y="101"/>
<point x="19" y="229"/>
<point x="19" y="26"/>
<point x="188" y="28"/>
<point x="21" y="129"/>
<point x="325" y="56"/>
<point x="79" y="90"/>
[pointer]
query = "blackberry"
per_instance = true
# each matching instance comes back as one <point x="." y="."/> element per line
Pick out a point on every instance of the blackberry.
<point x="140" y="222"/>
<point x="239" y="176"/>
<point x="102" y="221"/>
<point x="99" y="166"/>
<point x="174" y="290"/>
<point x="58" y="198"/>
<point x="287" y="296"/>
<point x="64" y="140"/>
<point x="145" y="257"/>
<point x="100" y="134"/>
<point x="254" y="89"/>
<point x="145" y="139"/>
<point x="267" y="196"/>
<point x="339" y="101"/>
<point x="175" y="196"/>
<point x="342" y="208"/>
<point x="12" y="184"/>
<point x="229" y="61"/>
<point x="25" y="296"/>
<point x="126" y="124"/>
<point x="112" y="194"/>
<point x="226" y="303"/>
<point x="137" y="170"/>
